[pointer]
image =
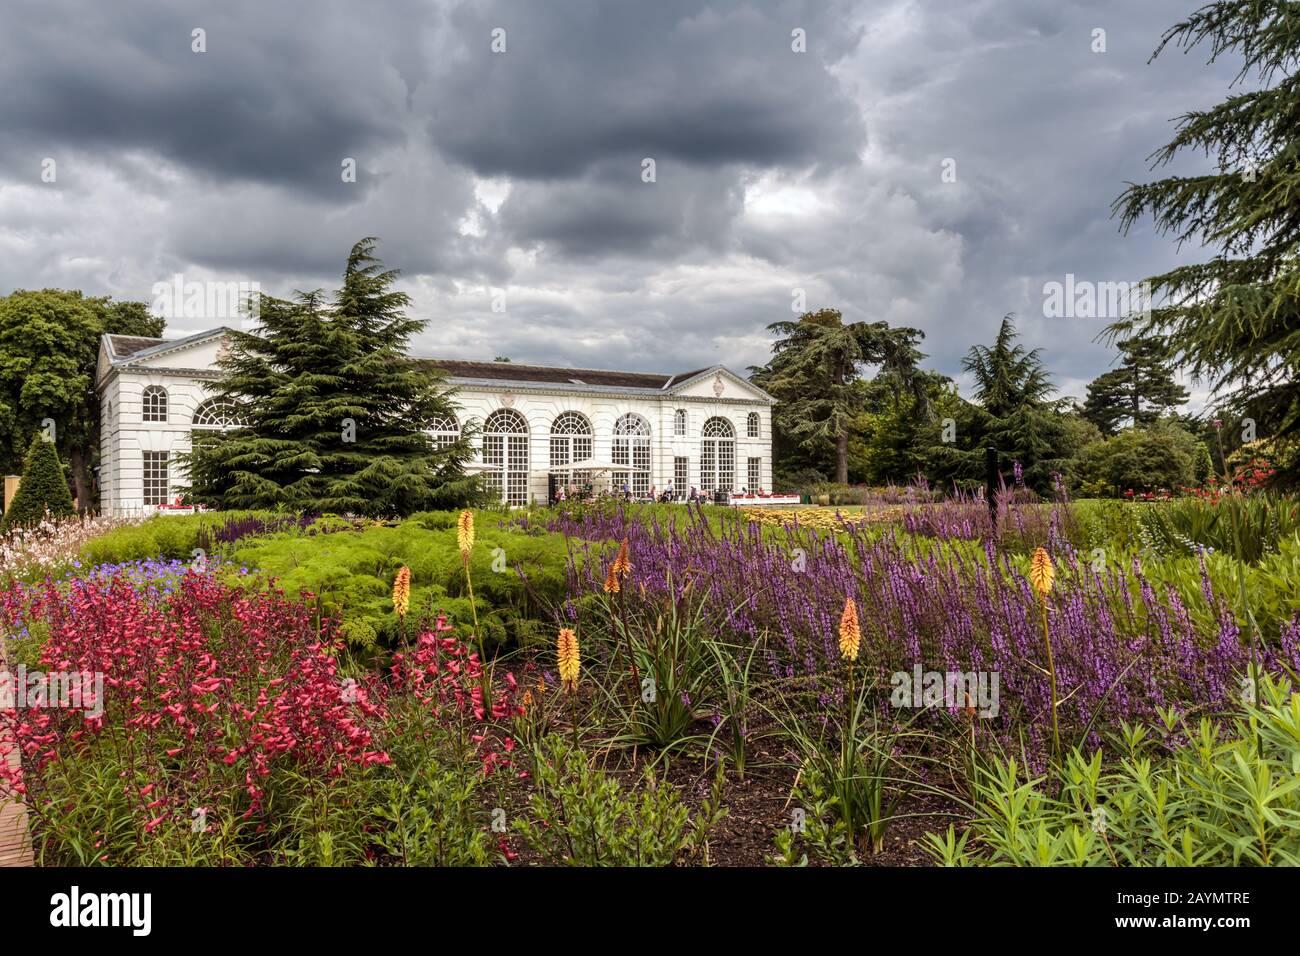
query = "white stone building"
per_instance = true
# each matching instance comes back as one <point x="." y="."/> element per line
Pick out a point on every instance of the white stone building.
<point x="538" y="427"/>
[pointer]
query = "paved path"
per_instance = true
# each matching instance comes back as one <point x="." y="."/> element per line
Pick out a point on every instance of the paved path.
<point x="15" y="845"/>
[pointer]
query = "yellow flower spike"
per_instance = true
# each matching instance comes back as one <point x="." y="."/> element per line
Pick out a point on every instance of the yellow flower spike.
<point x="567" y="656"/>
<point x="465" y="534"/>
<point x="402" y="592"/>
<point x="611" y="582"/>
<point x="850" y="633"/>
<point x="1041" y="573"/>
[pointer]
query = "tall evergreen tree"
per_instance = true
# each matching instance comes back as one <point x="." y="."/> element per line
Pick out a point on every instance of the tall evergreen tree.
<point x="1235" y="320"/>
<point x="816" y="376"/>
<point x="335" y="413"/>
<point x="43" y="488"/>
<point x="1015" y="413"/>
<point x="1141" y="390"/>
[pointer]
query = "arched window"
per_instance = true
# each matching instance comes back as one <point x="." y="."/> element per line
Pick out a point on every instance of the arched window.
<point x="154" y="404"/>
<point x="216" y="415"/>
<point x="679" y="423"/>
<point x="718" y="455"/>
<point x="753" y="425"/>
<point x="505" y="452"/>
<point x="632" y="449"/>
<point x="446" y="431"/>
<point x="570" y="442"/>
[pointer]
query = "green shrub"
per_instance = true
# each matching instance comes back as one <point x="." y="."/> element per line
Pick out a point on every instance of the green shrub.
<point x="351" y="573"/>
<point x="580" y="816"/>
<point x="1225" y="796"/>
<point x="1144" y="459"/>
<point x="173" y="536"/>
<point x="43" y="488"/>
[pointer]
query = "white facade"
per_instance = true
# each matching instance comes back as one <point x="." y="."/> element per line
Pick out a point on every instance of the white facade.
<point x="707" y="429"/>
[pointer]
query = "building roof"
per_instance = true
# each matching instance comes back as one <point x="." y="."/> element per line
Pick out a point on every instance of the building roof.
<point x="124" y="346"/>
<point x="125" y="349"/>
<point x="549" y="375"/>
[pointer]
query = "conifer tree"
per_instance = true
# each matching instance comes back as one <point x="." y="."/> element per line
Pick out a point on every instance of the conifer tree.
<point x="1234" y="320"/>
<point x="1014" y="412"/>
<point x="43" y="487"/>
<point x="1140" y="391"/>
<point x="816" y="376"/>
<point x="335" y="413"/>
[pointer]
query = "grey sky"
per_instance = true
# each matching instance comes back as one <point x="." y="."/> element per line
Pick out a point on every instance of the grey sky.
<point x="519" y="173"/>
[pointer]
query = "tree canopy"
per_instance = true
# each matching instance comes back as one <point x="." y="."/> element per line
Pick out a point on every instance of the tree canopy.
<point x="335" y="413"/>
<point x="1234" y="319"/>
<point x="1140" y="391"/>
<point x="816" y="374"/>
<point x="1014" y="410"/>
<point x="49" y="345"/>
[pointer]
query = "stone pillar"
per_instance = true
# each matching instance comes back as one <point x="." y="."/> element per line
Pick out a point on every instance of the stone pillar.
<point x="11" y="488"/>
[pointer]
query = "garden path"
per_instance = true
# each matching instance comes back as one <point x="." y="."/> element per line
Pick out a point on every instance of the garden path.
<point x="15" y="844"/>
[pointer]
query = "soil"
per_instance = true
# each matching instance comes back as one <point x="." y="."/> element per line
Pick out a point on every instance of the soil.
<point x="758" y="807"/>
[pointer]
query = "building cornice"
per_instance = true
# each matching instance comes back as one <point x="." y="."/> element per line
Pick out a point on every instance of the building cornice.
<point x="660" y="396"/>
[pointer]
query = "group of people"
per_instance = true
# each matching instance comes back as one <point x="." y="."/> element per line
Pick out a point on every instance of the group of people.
<point x="624" y="492"/>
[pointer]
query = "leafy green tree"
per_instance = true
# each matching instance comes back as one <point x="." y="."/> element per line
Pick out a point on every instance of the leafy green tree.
<point x="816" y="375"/>
<point x="49" y="346"/>
<point x="1143" y="459"/>
<point x="1234" y="320"/>
<point x="43" y="488"/>
<point x="1014" y="411"/>
<point x="1141" y="390"/>
<point x="1077" y="434"/>
<point x="335" y="413"/>
<point x="893" y="442"/>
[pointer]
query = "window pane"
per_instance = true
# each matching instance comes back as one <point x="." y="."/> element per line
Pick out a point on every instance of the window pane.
<point x="157" y="483"/>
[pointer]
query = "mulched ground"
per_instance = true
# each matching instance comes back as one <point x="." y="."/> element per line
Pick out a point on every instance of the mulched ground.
<point x="758" y="807"/>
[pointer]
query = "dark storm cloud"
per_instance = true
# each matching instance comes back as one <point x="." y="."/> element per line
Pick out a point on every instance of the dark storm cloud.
<point x="706" y="84"/>
<point x="277" y="97"/>
<point x="521" y="171"/>
<point x="612" y="211"/>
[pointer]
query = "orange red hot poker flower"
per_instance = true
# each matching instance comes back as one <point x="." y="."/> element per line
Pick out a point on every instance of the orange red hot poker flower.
<point x="568" y="658"/>
<point x="465" y="533"/>
<point x="622" y="564"/>
<point x="611" y="581"/>
<point x="850" y="633"/>
<point x="402" y="592"/>
<point x="1041" y="573"/>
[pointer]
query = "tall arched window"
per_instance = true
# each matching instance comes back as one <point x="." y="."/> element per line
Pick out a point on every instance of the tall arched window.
<point x="679" y="423"/>
<point x="446" y="431"/>
<point x="570" y="442"/>
<point x="718" y="455"/>
<point x="216" y="415"/>
<point x="154" y="404"/>
<point x="632" y="449"/>
<point x="505" y="452"/>
<point x="753" y="425"/>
